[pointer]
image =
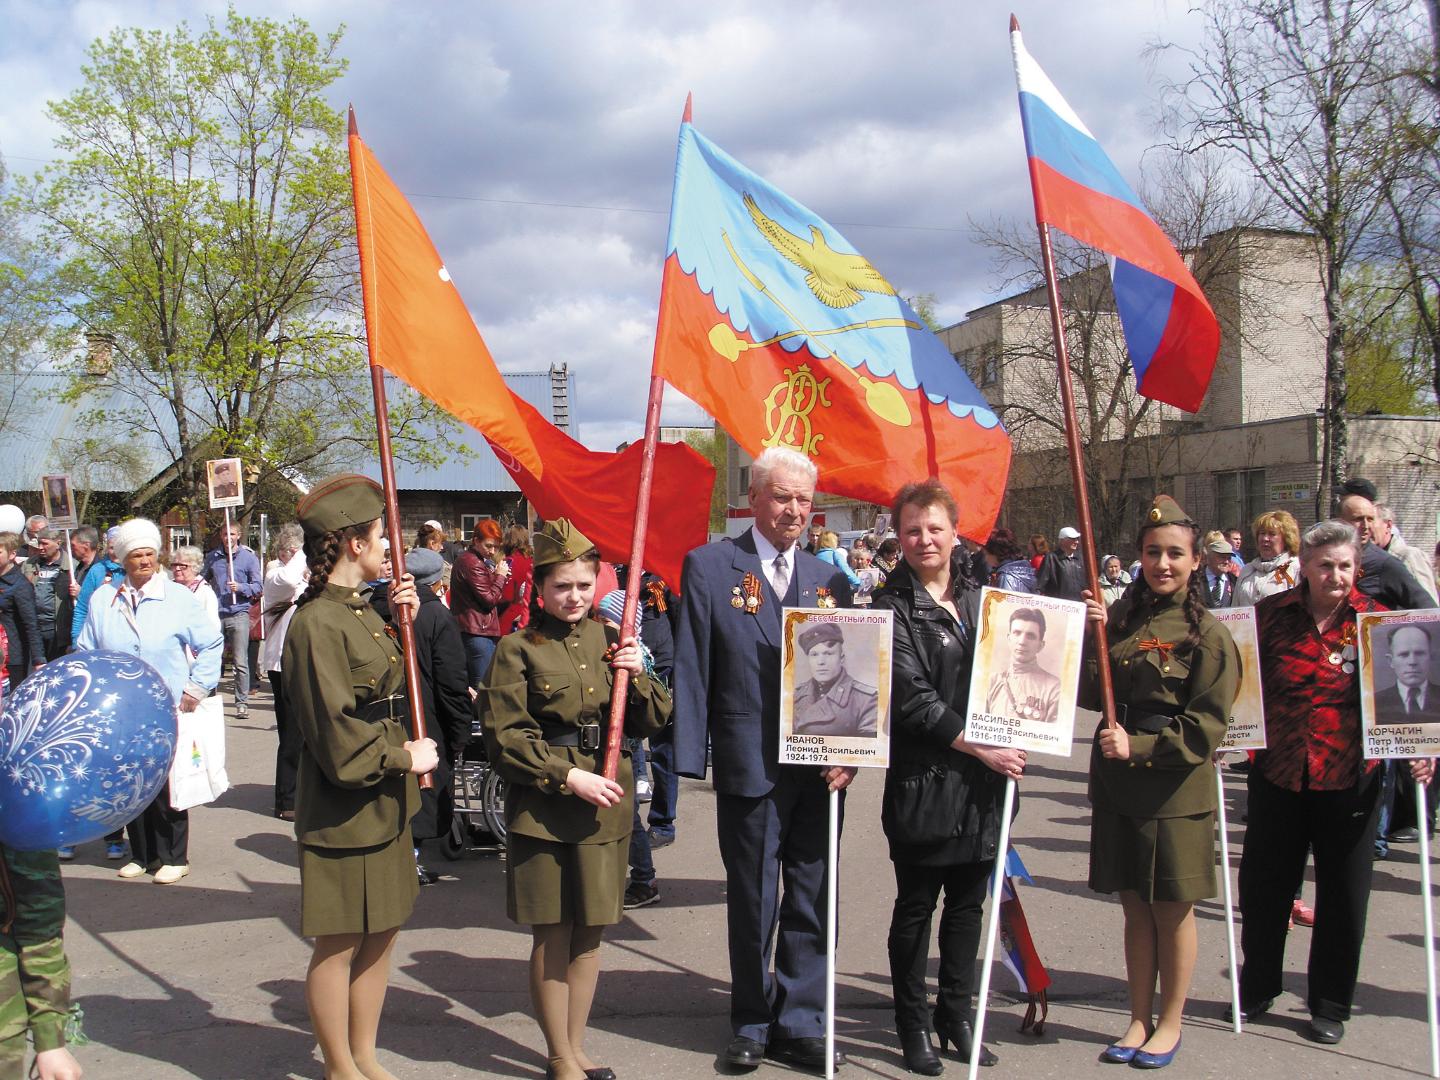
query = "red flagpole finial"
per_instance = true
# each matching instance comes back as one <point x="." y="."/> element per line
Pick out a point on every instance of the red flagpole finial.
<point x="1014" y="23"/>
<point x="685" y="117"/>
<point x="354" y="128"/>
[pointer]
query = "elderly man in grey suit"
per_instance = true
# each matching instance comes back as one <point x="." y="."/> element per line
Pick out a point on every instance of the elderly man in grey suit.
<point x="771" y="817"/>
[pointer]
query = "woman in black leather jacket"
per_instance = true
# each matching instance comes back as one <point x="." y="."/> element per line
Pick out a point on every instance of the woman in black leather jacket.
<point x="942" y="795"/>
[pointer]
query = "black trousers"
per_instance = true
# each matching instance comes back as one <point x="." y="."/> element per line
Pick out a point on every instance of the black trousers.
<point x="768" y="842"/>
<point x="916" y="890"/>
<point x="287" y="754"/>
<point x="1339" y="827"/>
<point x="160" y="836"/>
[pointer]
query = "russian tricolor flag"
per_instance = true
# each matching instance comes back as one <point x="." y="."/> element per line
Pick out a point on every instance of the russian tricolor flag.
<point x="1170" y="329"/>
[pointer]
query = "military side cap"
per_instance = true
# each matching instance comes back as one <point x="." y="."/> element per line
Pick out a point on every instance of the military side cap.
<point x="338" y="502"/>
<point x="1166" y="511"/>
<point x="819" y="634"/>
<point x="559" y="541"/>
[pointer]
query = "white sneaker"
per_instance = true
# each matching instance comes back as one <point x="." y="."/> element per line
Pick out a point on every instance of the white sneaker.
<point x="132" y="870"/>
<point x="169" y="875"/>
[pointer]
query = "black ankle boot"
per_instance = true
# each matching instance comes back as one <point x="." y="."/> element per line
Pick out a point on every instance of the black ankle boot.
<point x="947" y="1030"/>
<point x="920" y="1056"/>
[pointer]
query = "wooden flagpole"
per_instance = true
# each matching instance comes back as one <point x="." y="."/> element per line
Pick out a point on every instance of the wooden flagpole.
<point x="1072" y="448"/>
<point x="635" y="574"/>
<point x="404" y="619"/>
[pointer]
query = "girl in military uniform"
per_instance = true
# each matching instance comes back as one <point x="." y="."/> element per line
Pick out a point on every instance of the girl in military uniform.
<point x="356" y="793"/>
<point x="545" y="703"/>
<point x="1152" y="777"/>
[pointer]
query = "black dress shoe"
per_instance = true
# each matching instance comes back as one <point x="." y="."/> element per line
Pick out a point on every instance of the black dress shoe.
<point x="743" y="1053"/>
<point x="600" y="1073"/>
<point x="920" y="1056"/>
<point x="1408" y="835"/>
<point x="425" y="876"/>
<point x="1249" y="1013"/>
<point x="1324" y="1030"/>
<point x="801" y="1053"/>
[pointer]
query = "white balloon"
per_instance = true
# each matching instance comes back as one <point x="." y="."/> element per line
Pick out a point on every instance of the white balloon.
<point x="12" y="518"/>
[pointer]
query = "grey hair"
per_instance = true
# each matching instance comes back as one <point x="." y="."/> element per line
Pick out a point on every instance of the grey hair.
<point x="1328" y="534"/>
<point x="87" y="534"/>
<point x="290" y="537"/>
<point x="781" y="459"/>
<point x="32" y="520"/>
<point x="1384" y="513"/>
<point x="188" y="554"/>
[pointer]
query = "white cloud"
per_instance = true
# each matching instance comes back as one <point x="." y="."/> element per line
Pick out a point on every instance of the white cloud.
<point x="877" y="117"/>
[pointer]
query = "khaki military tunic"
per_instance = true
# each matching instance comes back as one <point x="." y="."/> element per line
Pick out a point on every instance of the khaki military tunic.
<point x="845" y="707"/>
<point x="355" y="794"/>
<point x="1153" y="829"/>
<point x="536" y="691"/>
<point x="1028" y="693"/>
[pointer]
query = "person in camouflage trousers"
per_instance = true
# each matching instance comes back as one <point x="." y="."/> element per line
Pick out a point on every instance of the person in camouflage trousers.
<point x="34" y="973"/>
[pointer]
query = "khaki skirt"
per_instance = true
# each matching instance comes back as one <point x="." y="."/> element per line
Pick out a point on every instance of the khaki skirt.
<point x="1170" y="858"/>
<point x="549" y="882"/>
<point x="357" y="890"/>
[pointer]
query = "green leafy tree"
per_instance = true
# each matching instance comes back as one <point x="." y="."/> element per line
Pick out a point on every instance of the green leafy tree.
<point x="203" y="224"/>
<point x="23" y="274"/>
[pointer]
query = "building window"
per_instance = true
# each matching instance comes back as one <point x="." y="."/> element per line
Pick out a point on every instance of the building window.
<point x="467" y="525"/>
<point x="982" y="365"/>
<point x="179" y="536"/>
<point x="745" y="478"/>
<point x="1240" y="497"/>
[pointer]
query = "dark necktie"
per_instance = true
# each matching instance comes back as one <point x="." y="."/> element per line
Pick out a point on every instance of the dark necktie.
<point x="1412" y="700"/>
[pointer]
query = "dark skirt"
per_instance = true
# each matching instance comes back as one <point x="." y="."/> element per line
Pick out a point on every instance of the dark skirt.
<point x="357" y="890"/>
<point x="1165" y="859"/>
<point x="549" y="882"/>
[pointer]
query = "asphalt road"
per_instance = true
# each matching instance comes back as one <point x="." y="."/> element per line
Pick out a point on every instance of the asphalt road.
<point x="206" y="978"/>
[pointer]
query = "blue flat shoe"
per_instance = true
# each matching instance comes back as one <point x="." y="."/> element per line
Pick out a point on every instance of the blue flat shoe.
<point x="1142" y="1060"/>
<point x="1119" y="1055"/>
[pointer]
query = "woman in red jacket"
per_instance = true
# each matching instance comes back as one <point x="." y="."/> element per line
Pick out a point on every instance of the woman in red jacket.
<point x="477" y="590"/>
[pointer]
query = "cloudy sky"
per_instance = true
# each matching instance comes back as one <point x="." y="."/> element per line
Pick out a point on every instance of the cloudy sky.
<point x="537" y="139"/>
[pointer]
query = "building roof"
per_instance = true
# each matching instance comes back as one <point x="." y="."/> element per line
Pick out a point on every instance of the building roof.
<point x="43" y="433"/>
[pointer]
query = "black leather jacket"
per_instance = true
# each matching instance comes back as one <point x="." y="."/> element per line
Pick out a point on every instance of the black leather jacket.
<point x="937" y="799"/>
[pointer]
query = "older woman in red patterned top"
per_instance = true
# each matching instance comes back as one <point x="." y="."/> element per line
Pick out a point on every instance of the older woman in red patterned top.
<point x="1311" y="788"/>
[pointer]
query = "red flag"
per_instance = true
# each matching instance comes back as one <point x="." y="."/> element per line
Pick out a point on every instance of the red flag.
<point x="423" y="333"/>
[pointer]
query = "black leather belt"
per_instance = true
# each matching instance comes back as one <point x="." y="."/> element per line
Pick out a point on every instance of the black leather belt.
<point x="1140" y="722"/>
<point x="586" y="736"/>
<point x="394" y="707"/>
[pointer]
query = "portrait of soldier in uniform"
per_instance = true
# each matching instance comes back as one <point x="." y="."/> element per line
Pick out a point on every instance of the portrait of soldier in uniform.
<point x="1023" y="689"/>
<point x="831" y="702"/>
<point x="224" y="480"/>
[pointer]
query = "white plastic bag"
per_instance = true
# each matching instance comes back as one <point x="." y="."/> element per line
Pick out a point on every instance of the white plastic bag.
<point x="198" y="773"/>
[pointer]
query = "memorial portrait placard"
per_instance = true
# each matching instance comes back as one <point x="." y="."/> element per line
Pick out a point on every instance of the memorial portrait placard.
<point x="835" y="687"/>
<point x="57" y="500"/>
<point x="1247" y="715"/>
<point x="1399" y="657"/>
<point x="1026" y="678"/>
<point x="223" y="478"/>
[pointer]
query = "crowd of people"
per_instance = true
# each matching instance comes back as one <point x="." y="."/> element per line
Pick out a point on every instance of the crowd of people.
<point x="518" y="644"/>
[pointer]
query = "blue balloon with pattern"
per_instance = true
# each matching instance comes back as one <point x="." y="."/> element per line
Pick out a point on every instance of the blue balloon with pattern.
<point x="86" y="743"/>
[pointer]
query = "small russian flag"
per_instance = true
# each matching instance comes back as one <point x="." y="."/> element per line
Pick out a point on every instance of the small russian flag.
<point x="1170" y="329"/>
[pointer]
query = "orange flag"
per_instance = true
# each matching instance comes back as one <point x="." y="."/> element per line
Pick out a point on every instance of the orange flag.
<point x="421" y="331"/>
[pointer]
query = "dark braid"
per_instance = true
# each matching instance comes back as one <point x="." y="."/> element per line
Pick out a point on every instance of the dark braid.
<point x="321" y="554"/>
<point x="1142" y="600"/>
